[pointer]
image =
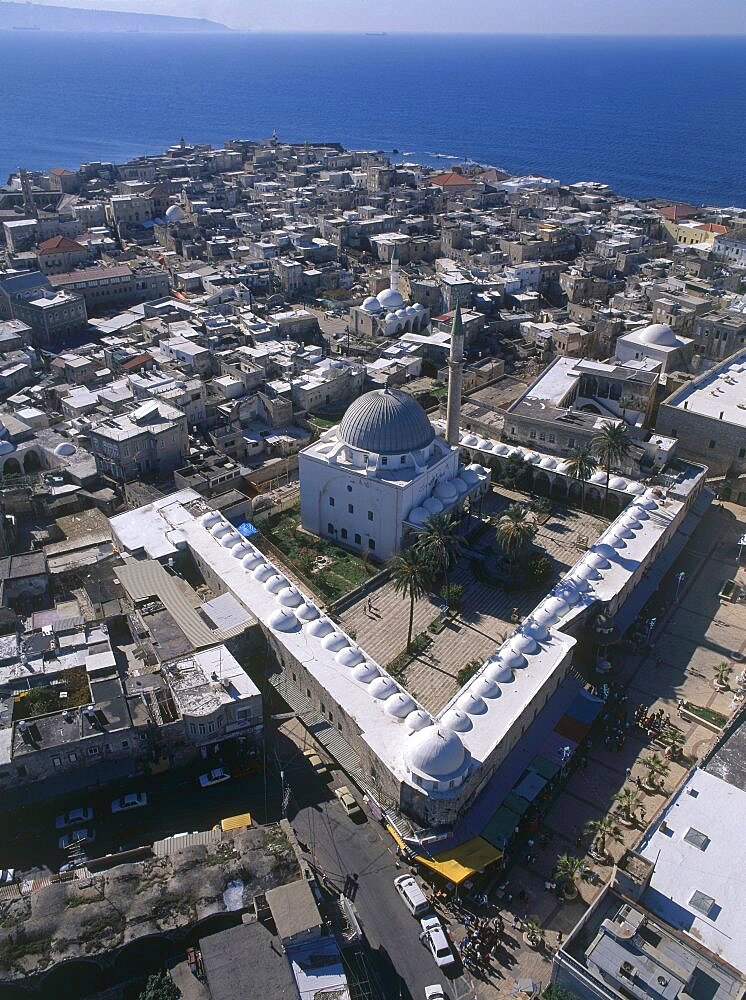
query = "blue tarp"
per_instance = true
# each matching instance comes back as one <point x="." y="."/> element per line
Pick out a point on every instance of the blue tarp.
<point x="247" y="529"/>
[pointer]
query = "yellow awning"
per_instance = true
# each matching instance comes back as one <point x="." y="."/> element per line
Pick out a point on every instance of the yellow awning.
<point x="457" y="863"/>
<point x="235" y="822"/>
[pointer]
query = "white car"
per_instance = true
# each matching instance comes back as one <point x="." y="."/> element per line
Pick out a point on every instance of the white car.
<point x="135" y="800"/>
<point x="434" y="937"/>
<point x="74" y="817"/>
<point x="435" y="993"/>
<point x="348" y="803"/>
<point x="84" y="836"/>
<point x="7" y="875"/>
<point x="214" y="777"/>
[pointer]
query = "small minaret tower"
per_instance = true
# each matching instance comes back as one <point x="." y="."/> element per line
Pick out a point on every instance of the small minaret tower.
<point x="394" y="283"/>
<point x="455" y="378"/>
<point x="28" y="195"/>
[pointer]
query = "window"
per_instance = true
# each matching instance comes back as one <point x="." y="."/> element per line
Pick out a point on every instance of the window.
<point x="201" y="728"/>
<point x="331" y="501"/>
<point x="323" y="708"/>
<point x="57" y="761"/>
<point x="370" y="515"/>
<point x="72" y="757"/>
<point x="384" y="460"/>
<point x="349" y="489"/>
<point x="108" y="747"/>
<point x="350" y="508"/>
<point x="358" y="539"/>
<point x="551" y="438"/>
<point x="371" y="543"/>
<point x="344" y="532"/>
<point x="211" y="727"/>
<point x="295" y="676"/>
<point x="403" y="459"/>
<point x="542" y="436"/>
<point x="532" y="435"/>
<point x="93" y="751"/>
<point x="125" y="744"/>
<point x="571" y="442"/>
<point x="330" y="528"/>
<point x="741" y="452"/>
<point x="193" y="728"/>
<point x="711" y="444"/>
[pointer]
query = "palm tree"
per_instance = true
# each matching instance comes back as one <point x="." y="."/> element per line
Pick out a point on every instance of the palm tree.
<point x="722" y="674"/>
<point x="441" y="544"/>
<point x="603" y="829"/>
<point x="656" y="767"/>
<point x="516" y="471"/>
<point x="580" y="466"/>
<point x="516" y="528"/>
<point x="533" y="930"/>
<point x="629" y="802"/>
<point x="611" y="445"/>
<point x="412" y="575"/>
<point x="568" y="868"/>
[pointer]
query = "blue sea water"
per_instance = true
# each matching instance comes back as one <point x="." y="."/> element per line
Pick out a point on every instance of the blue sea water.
<point x="651" y="116"/>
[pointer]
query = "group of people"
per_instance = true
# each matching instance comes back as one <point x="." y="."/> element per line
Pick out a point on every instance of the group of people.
<point x="615" y="721"/>
<point x="481" y="938"/>
<point x="653" y="723"/>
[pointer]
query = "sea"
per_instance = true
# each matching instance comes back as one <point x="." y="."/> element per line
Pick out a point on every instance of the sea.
<point x="653" y="117"/>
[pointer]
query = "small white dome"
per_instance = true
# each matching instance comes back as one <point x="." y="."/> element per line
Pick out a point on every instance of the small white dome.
<point x="485" y="687"/>
<point x="578" y="583"/>
<point x="283" y="620"/>
<point x="604" y="550"/>
<point x="597" y="561"/>
<point x="419" y="516"/>
<point x="174" y="213"/>
<point x="457" y="721"/>
<point x="536" y="629"/>
<point x="484" y="444"/>
<point x="568" y="593"/>
<point x="555" y="605"/>
<point x="469" y="440"/>
<point x="229" y="540"/>
<point x="307" y="612"/>
<point x="635" y="488"/>
<point x="220" y="529"/>
<point x="252" y="561"/>
<point x="470" y="476"/>
<point x="563" y="467"/>
<point x="499" y="671"/>
<point x="513" y="659"/>
<point x="460" y="484"/>
<point x="435" y="752"/>
<point x="598" y="477"/>
<point x="433" y="505"/>
<point x="471" y="703"/>
<point x="320" y="627"/>
<point x="290" y="597"/>
<point x="640" y="513"/>
<point x="264" y="572"/>
<point x="63" y="450"/>
<point x="372" y="305"/>
<point x="417" y="720"/>
<point x="523" y="644"/>
<point x="548" y="462"/>
<point x="211" y="517"/>
<point x="446" y="492"/>
<point x="617" y="483"/>
<point x="276" y="583"/>
<point x="418" y="307"/>
<point x="630" y="521"/>
<point x="391" y="299"/>
<point x="399" y="705"/>
<point x="501" y="448"/>
<point x="382" y="688"/>
<point x="657" y="334"/>
<point x="365" y="672"/>
<point x="348" y="656"/>
<point x="335" y="641"/>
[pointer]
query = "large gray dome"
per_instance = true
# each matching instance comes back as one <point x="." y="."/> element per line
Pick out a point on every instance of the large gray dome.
<point x="386" y="421"/>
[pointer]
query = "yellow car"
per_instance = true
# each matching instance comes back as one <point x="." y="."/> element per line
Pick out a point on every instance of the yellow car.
<point x="317" y="764"/>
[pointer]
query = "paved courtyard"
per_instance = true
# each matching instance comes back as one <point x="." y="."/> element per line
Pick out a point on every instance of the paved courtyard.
<point x="696" y="634"/>
<point x="485" y="617"/>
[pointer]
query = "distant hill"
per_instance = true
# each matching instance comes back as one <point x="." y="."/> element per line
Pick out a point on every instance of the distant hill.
<point x="42" y="17"/>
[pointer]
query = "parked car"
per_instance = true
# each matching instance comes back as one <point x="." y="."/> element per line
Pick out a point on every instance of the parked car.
<point x="74" y="817"/>
<point x="348" y="803"/>
<point x="434" y="937"/>
<point x="134" y="800"/>
<point x="412" y="895"/>
<point x="83" y="836"/>
<point x="7" y="876"/>
<point x="316" y="763"/>
<point x="214" y="777"/>
<point x="435" y="993"/>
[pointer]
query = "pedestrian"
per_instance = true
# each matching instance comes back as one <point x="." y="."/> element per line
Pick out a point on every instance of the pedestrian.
<point x="370" y="606"/>
<point x="559" y="939"/>
<point x="628" y="773"/>
<point x="578" y="841"/>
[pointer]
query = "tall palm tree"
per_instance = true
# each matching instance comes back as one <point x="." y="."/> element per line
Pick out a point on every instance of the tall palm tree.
<point x="515" y="530"/>
<point x="629" y="802"/>
<point x="581" y="465"/>
<point x="657" y="769"/>
<point x="611" y="445"/>
<point x="441" y="544"/>
<point x="603" y="829"/>
<point x="567" y="870"/>
<point x="516" y="471"/>
<point x="412" y="575"/>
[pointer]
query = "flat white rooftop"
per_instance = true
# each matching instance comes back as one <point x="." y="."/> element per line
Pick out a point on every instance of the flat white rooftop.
<point x="720" y="394"/>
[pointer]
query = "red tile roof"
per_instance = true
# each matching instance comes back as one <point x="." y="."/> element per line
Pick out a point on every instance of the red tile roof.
<point x="60" y="244"/>
<point x="450" y="179"/>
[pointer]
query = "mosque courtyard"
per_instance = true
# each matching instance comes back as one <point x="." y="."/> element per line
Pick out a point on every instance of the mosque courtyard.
<point x="486" y="611"/>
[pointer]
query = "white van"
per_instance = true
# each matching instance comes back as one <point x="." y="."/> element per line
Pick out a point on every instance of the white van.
<point x="414" y="898"/>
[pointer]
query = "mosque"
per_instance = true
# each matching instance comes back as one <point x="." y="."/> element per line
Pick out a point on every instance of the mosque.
<point x="387" y="314"/>
<point x="377" y="477"/>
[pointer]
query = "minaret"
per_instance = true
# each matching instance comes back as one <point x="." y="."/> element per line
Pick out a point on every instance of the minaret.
<point x="394" y="283"/>
<point x="28" y="195"/>
<point x="455" y="378"/>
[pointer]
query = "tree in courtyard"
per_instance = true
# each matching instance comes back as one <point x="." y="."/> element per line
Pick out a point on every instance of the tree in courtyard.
<point x="567" y="870"/>
<point x="629" y="802"/>
<point x="516" y="529"/>
<point x="581" y="465"/>
<point x="603" y="829"/>
<point x="657" y="770"/>
<point x="413" y="577"/>
<point x="611" y="445"/>
<point x="441" y="544"/>
<point x="516" y="471"/>
<point x="160" y="986"/>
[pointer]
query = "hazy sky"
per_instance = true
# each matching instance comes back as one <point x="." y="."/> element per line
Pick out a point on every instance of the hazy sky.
<point x="688" y="17"/>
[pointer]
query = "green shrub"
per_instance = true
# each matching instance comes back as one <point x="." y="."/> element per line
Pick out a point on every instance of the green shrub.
<point x="467" y="672"/>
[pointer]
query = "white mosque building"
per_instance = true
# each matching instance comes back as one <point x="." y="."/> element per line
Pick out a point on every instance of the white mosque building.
<point x="382" y="472"/>
<point x="387" y="314"/>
